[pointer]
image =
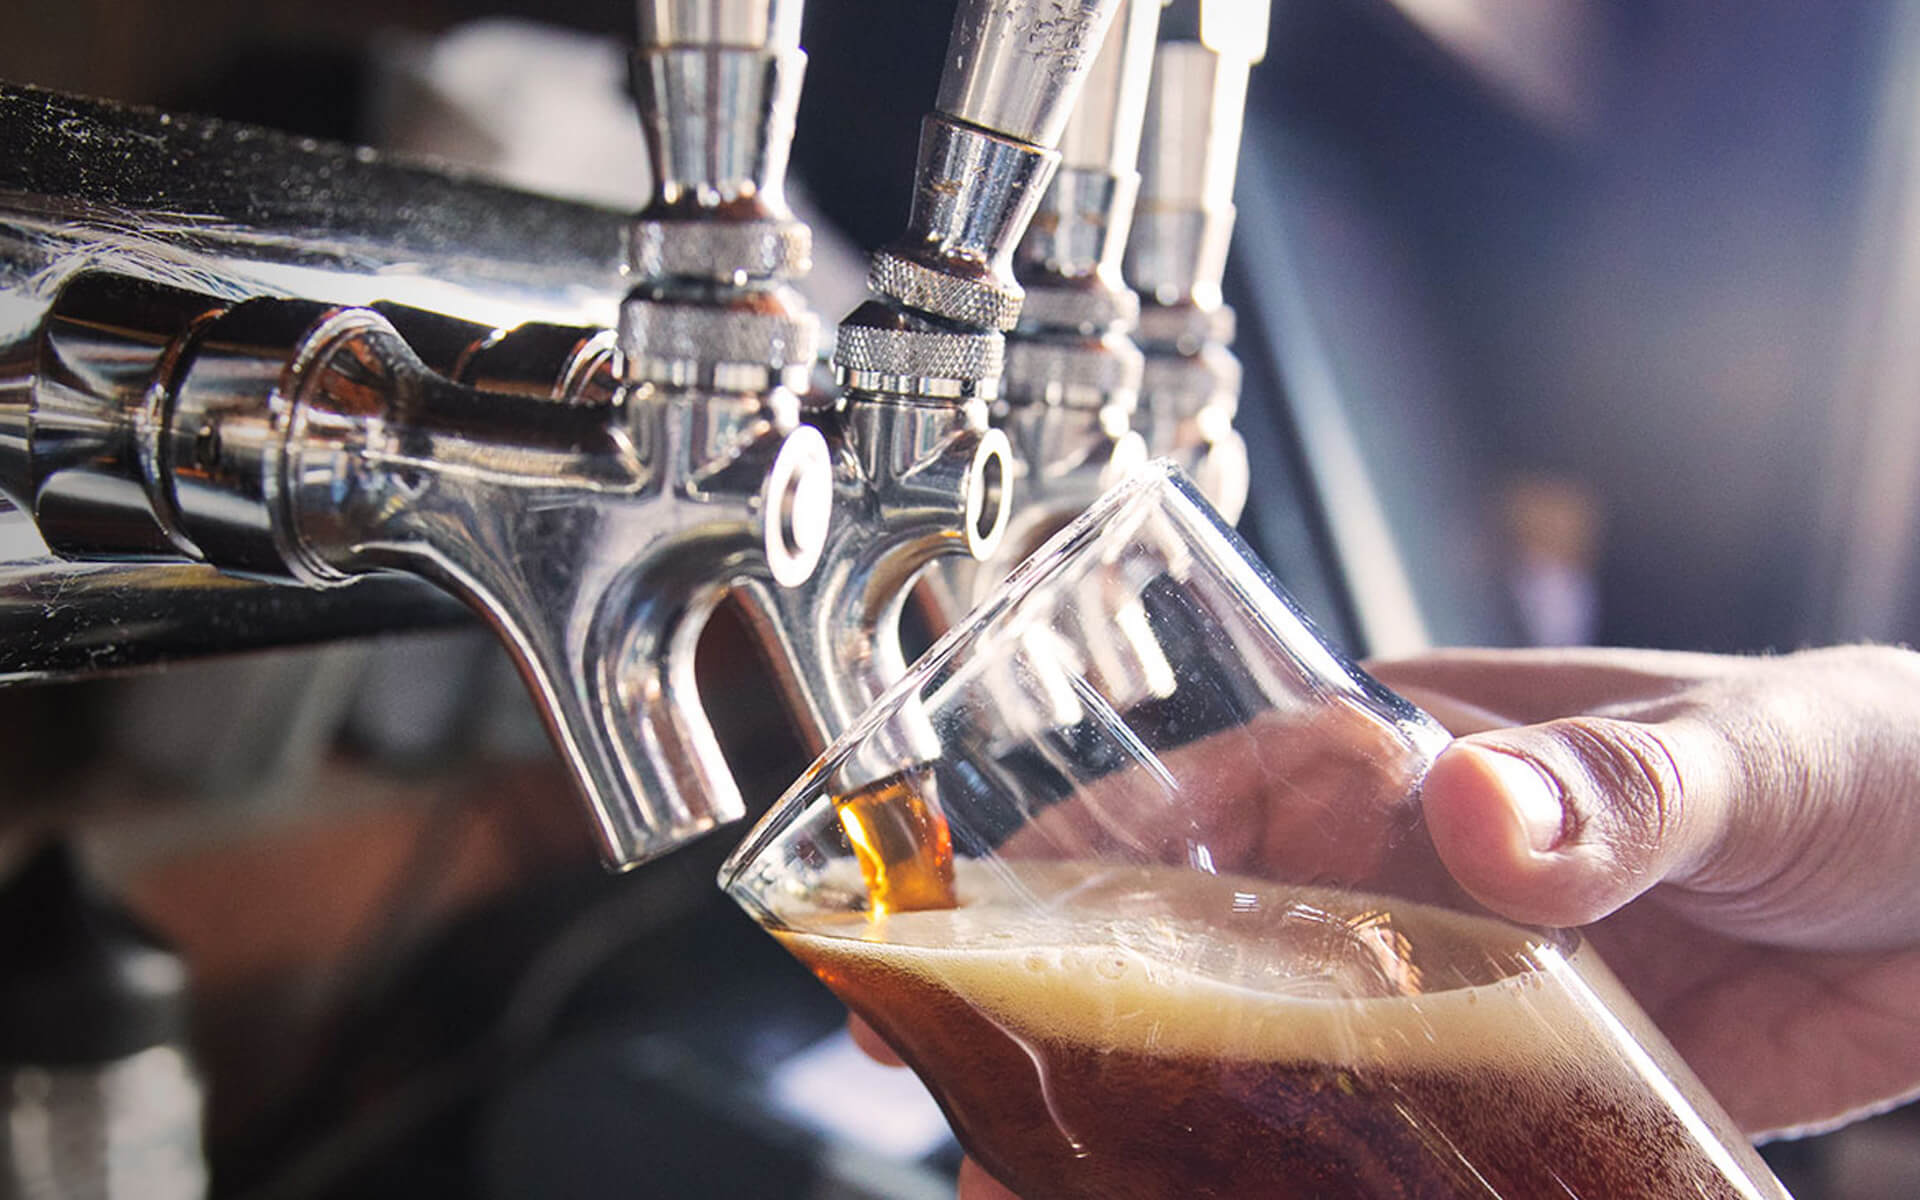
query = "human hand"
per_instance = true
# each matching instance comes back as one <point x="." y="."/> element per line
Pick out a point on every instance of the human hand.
<point x="1741" y="835"/>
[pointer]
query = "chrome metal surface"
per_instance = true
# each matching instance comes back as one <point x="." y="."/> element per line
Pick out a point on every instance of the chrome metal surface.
<point x="1186" y="414"/>
<point x="882" y="351"/>
<point x="1015" y="68"/>
<point x="565" y="363"/>
<point x="913" y="483"/>
<point x="718" y="86"/>
<point x="1190" y="148"/>
<point x="756" y="24"/>
<point x="974" y="194"/>
<point x="1069" y="262"/>
<point x="237" y="211"/>
<point x="1013" y="74"/>
<point x="919" y="475"/>
<point x="740" y="340"/>
<point x="712" y="347"/>
<point x="304" y="441"/>
<point x="1189" y="153"/>
<point x="719" y="123"/>
<point x="1103" y="131"/>
<point x="226" y="212"/>
<point x="596" y="450"/>
<point x="1073" y="373"/>
<point x="1071" y="254"/>
<point x="1176" y="255"/>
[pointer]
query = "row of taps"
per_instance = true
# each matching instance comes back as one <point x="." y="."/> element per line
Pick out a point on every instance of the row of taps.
<point x="1051" y="317"/>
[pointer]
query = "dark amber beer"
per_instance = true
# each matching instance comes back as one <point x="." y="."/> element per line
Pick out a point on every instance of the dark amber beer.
<point x="1168" y="1034"/>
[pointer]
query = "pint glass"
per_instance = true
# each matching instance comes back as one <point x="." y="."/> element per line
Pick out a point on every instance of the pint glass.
<point x="1130" y="868"/>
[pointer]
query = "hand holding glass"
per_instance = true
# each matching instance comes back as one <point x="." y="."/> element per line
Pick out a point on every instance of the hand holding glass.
<point x="1131" y="870"/>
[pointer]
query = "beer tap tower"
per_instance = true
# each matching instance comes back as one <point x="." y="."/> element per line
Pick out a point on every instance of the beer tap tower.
<point x="300" y="441"/>
<point x="1176" y="256"/>
<point x="919" y="474"/>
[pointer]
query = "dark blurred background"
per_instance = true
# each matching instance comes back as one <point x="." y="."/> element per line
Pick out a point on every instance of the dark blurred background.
<point x="1564" y="322"/>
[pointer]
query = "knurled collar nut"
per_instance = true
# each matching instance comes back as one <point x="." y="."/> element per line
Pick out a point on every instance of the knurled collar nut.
<point x="1185" y="327"/>
<point x="1083" y="309"/>
<point x="1084" y="375"/>
<point x="665" y="332"/>
<point x="980" y="301"/>
<point x="722" y="251"/>
<point x="900" y="359"/>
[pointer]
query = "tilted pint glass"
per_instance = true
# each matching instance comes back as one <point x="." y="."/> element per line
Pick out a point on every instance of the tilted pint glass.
<point x="1130" y="869"/>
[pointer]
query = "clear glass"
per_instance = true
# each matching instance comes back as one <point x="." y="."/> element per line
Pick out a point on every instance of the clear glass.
<point x="1131" y="870"/>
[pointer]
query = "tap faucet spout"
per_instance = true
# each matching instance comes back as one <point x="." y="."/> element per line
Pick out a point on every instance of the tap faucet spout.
<point x="296" y="441"/>
<point x="919" y="473"/>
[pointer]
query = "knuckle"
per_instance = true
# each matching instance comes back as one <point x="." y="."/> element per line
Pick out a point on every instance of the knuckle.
<point x="1637" y="797"/>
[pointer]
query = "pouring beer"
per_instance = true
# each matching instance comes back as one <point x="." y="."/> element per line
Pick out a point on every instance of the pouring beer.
<point x="1182" y="934"/>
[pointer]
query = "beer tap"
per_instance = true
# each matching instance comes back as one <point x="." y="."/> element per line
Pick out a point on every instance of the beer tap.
<point x="1073" y="371"/>
<point x="303" y="442"/>
<point x="1176" y="256"/>
<point x="919" y="472"/>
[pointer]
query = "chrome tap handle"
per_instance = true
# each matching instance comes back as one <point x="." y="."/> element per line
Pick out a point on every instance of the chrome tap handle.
<point x="919" y="474"/>
<point x="1176" y="256"/>
<point x="1073" y="371"/>
<point x="1017" y="68"/>
<point x="1014" y="71"/>
<point x="1190" y="150"/>
<point x="1069" y="260"/>
<point x="718" y="86"/>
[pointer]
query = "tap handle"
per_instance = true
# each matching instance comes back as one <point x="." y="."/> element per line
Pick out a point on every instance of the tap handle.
<point x="1190" y="149"/>
<point x="1069" y="262"/>
<point x="718" y="86"/>
<point x="1103" y="131"/>
<point x="1014" y="70"/>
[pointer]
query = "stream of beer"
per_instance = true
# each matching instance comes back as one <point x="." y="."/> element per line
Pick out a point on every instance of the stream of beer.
<point x="903" y="844"/>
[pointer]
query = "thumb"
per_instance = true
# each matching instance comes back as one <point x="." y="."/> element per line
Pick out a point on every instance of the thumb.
<point x="1562" y="823"/>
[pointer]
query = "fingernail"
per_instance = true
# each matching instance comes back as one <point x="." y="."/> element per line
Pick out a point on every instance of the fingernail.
<point x="1534" y="794"/>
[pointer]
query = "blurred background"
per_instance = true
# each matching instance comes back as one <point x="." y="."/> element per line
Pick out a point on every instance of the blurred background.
<point x="1565" y="322"/>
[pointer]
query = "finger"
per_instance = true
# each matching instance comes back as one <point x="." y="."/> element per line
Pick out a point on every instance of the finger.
<point x="976" y="1184"/>
<point x="875" y="1046"/>
<point x="1538" y="685"/>
<point x="1775" y="803"/>
<point x="1562" y="823"/>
